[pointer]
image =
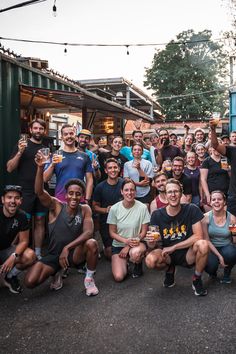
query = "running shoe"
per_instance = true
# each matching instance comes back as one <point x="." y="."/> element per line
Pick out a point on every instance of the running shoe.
<point x="90" y="287"/>
<point x="57" y="282"/>
<point x="226" y="277"/>
<point x="13" y="284"/>
<point x="65" y="273"/>
<point x="169" y="280"/>
<point x="137" y="270"/>
<point x="198" y="288"/>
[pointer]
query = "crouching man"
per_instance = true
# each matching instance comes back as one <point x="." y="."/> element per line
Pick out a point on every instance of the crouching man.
<point x="182" y="239"/>
<point x="14" y="239"/>
<point x="70" y="231"/>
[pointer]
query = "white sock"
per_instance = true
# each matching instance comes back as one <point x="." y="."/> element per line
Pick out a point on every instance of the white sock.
<point x="89" y="273"/>
<point x="38" y="251"/>
<point x="13" y="273"/>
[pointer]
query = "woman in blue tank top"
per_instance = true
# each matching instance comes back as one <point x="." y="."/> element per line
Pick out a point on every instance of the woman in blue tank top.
<point x="216" y="229"/>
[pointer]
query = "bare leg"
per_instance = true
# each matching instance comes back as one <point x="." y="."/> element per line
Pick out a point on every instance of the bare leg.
<point x="119" y="267"/>
<point x="26" y="259"/>
<point x="137" y="253"/>
<point x="37" y="274"/>
<point x="39" y="231"/>
<point x="155" y="260"/>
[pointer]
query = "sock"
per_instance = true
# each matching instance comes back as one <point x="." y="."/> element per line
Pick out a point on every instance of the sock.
<point x="197" y="274"/>
<point x="38" y="251"/>
<point x="89" y="273"/>
<point x="13" y="273"/>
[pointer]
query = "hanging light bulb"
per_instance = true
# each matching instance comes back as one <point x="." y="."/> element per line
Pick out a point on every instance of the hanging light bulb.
<point x="65" y="49"/>
<point x="54" y="9"/>
<point x="127" y="50"/>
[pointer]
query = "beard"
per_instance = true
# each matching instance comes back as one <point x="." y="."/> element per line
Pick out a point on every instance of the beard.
<point x="37" y="137"/>
<point x="167" y="142"/>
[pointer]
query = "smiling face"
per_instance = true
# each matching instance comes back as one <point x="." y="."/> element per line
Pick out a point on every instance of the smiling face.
<point x="138" y="137"/>
<point x="73" y="196"/>
<point x="200" y="151"/>
<point x="191" y="159"/>
<point x="117" y="144"/>
<point x="68" y="136"/>
<point x="37" y="131"/>
<point x="83" y="141"/>
<point x="177" y="168"/>
<point x="217" y="201"/>
<point x="188" y="140"/>
<point x="160" y="183"/>
<point x="137" y="151"/>
<point x="112" y="170"/>
<point x="11" y="202"/>
<point x="199" y="136"/>
<point x="173" y="194"/>
<point x="129" y="192"/>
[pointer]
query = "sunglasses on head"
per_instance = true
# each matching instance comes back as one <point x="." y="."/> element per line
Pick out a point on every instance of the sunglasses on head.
<point x="12" y="187"/>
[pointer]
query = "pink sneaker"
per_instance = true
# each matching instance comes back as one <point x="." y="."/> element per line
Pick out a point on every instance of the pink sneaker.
<point x="90" y="287"/>
<point x="57" y="282"/>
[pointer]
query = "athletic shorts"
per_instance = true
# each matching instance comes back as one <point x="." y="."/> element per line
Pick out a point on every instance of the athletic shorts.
<point x="4" y="254"/>
<point x="52" y="260"/>
<point x="179" y="258"/>
<point x="105" y="235"/>
<point x="146" y="199"/>
<point x="32" y="205"/>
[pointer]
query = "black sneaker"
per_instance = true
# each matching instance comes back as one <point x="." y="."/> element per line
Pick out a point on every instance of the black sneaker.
<point x="198" y="288"/>
<point x="137" y="270"/>
<point x="169" y="280"/>
<point x="13" y="285"/>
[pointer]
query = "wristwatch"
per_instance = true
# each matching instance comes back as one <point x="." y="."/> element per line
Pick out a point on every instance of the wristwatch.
<point x="16" y="255"/>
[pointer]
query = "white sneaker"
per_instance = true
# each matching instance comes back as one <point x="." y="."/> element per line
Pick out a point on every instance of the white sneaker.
<point x="90" y="287"/>
<point x="57" y="282"/>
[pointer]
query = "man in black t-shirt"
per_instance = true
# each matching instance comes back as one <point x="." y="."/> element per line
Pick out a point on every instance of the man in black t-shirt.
<point x="178" y="173"/>
<point x="182" y="239"/>
<point x="14" y="238"/>
<point x="166" y="151"/>
<point x="22" y="160"/>
<point x="106" y="194"/>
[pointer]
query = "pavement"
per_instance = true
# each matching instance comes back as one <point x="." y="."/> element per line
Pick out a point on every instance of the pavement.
<point x="135" y="316"/>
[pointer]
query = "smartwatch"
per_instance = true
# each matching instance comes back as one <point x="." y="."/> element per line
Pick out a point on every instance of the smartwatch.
<point x="16" y="255"/>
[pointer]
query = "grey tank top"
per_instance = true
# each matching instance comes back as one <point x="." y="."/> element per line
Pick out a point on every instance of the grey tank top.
<point x="64" y="229"/>
<point x="219" y="235"/>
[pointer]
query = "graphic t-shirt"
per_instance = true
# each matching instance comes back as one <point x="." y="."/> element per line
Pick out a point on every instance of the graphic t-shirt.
<point x="74" y="165"/>
<point x="175" y="229"/>
<point x="9" y="227"/>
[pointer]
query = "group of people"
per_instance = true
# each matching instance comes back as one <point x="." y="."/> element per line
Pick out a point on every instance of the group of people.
<point x="181" y="187"/>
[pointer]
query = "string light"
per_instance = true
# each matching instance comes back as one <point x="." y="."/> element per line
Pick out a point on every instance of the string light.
<point x="54" y="9"/>
<point x="65" y="49"/>
<point x="127" y="52"/>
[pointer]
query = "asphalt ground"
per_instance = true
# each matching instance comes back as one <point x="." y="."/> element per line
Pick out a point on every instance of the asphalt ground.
<point x="135" y="316"/>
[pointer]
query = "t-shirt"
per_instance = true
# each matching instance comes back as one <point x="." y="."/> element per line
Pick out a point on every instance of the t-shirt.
<point x="27" y="167"/>
<point x="170" y="151"/>
<point x="103" y="156"/>
<point x="9" y="227"/>
<point x="126" y="151"/>
<point x="107" y="194"/>
<point x="231" y="155"/>
<point x="175" y="229"/>
<point x="217" y="178"/>
<point x="129" y="221"/>
<point x="194" y="175"/>
<point x="185" y="181"/>
<point x="74" y="165"/>
<point x="132" y="172"/>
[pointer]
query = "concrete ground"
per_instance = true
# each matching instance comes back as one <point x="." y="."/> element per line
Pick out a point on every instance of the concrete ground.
<point x="135" y="316"/>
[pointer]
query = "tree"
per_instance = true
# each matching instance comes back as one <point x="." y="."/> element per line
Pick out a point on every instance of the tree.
<point x="192" y="64"/>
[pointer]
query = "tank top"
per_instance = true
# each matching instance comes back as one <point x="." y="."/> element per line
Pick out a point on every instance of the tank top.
<point x="64" y="229"/>
<point x="219" y="235"/>
<point x="159" y="203"/>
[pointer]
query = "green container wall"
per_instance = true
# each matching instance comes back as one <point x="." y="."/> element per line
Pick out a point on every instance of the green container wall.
<point x="12" y="75"/>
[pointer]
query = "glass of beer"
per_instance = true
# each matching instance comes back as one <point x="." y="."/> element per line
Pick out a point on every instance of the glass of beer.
<point x="24" y="139"/>
<point x="58" y="156"/>
<point x="224" y="163"/>
<point x="135" y="240"/>
<point x="154" y="229"/>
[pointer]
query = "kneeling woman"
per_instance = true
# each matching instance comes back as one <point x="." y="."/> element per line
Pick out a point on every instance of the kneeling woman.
<point x="216" y="229"/>
<point x="128" y="223"/>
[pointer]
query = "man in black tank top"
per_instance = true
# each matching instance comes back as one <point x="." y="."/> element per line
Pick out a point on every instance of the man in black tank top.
<point x="70" y="235"/>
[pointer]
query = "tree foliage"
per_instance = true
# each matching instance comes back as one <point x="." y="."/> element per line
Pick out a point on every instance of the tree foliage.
<point x="191" y="64"/>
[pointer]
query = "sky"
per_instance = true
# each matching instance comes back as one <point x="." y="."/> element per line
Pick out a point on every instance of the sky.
<point x="110" y="22"/>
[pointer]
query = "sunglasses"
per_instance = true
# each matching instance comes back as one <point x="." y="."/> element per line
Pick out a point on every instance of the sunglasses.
<point x="12" y="187"/>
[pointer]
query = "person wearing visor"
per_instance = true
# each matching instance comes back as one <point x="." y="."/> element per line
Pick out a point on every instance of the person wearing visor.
<point x="14" y="239"/>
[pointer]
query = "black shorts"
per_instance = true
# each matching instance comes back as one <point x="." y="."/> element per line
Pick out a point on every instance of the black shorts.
<point x="52" y="260"/>
<point x="32" y="205"/>
<point x="116" y="250"/>
<point x="179" y="258"/>
<point x="146" y="199"/>
<point x="106" y="238"/>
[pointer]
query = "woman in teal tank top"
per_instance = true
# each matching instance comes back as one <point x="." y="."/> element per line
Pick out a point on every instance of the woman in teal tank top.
<point x="216" y="229"/>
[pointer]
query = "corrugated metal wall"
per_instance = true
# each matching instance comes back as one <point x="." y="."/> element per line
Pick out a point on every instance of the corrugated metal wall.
<point x="232" y="111"/>
<point x="12" y="75"/>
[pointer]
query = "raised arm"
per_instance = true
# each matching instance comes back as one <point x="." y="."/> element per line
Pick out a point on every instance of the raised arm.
<point x="13" y="163"/>
<point x="214" y="141"/>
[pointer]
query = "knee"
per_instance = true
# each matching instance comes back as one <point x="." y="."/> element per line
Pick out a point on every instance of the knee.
<point x="29" y="281"/>
<point x="150" y="261"/>
<point x="92" y="245"/>
<point x="202" y="246"/>
<point x="119" y="277"/>
<point x="135" y="255"/>
<point x="29" y="256"/>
